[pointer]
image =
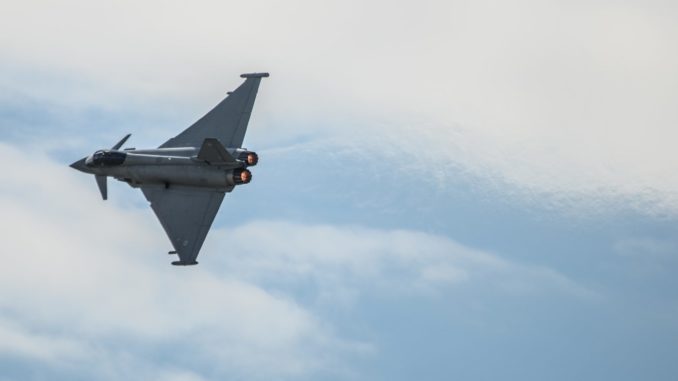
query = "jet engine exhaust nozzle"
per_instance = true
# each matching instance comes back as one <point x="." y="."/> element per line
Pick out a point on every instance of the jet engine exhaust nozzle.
<point x="242" y="176"/>
<point x="250" y="158"/>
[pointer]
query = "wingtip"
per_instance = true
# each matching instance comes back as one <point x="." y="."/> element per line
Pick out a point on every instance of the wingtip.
<point x="254" y="75"/>
<point x="184" y="263"/>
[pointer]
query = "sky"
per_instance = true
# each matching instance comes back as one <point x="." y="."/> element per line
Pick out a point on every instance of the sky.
<point x="474" y="190"/>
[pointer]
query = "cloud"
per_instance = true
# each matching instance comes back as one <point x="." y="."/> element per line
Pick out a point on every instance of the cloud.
<point x="644" y="247"/>
<point x="344" y="262"/>
<point x="86" y="282"/>
<point x="646" y="257"/>
<point x="561" y="102"/>
<point x="82" y="274"/>
<point x="16" y="341"/>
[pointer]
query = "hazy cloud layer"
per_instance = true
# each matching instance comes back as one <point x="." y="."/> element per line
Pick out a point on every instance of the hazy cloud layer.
<point x="87" y="282"/>
<point x="342" y="262"/>
<point x="567" y="102"/>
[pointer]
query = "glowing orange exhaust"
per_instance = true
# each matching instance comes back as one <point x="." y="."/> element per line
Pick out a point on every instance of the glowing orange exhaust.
<point x="245" y="176"/>
<point x="240" y="176"/>
<point x="252" y="158"/>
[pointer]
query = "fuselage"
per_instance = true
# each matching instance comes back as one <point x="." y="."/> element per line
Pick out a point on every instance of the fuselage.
<point x="171" y="166"/>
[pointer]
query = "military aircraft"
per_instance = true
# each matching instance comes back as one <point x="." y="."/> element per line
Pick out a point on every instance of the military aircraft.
<point x="186" y="178"/>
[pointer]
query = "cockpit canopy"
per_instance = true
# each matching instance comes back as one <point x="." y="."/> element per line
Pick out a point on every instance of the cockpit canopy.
<point x="105" y="158"/>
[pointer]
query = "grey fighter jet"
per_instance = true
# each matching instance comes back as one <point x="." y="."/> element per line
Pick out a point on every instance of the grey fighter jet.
<point x="186" y="178"/>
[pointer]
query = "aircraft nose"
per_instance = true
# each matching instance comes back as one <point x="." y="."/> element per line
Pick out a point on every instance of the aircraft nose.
<point x="80" y="165"/>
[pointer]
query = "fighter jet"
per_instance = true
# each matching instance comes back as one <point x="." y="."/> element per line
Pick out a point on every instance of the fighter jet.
<point x="186" y="178"/>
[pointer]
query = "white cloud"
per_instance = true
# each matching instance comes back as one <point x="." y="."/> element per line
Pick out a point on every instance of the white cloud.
<point x="563" y="101"/>
<point x="78" y="271"/>
<point x="344" y="262"/>
<point x="86" y="282"/>
<point x="16" y="341"/>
